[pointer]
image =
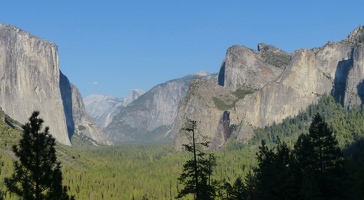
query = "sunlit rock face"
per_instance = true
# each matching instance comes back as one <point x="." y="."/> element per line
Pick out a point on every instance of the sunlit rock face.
<point x="282" y="85"/>
<point x="30" y="79"/>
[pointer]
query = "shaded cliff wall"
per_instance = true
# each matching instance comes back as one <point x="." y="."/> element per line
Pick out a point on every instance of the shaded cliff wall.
<point x="29" y="80"/>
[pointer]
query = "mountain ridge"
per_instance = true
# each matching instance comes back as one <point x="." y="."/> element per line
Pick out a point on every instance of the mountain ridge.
<point x="151" y="116"/>
<point x="336" y="68"/>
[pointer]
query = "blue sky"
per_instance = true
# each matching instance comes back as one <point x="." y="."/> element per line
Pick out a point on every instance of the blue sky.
<point x="110" y="47"/>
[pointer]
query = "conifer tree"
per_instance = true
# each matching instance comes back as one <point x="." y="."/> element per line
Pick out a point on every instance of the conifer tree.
<point x="250" y="186"/>
<point x="238" y="190"/>
<point x="196" y="173"/>
<point x="37" y="174"/>
<point x="320" y="170"/>
<point x="274" y="177"/>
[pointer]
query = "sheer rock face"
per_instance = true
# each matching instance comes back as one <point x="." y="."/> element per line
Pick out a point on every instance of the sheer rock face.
<point x="244" y="67"/>
<point x="103" y="108"/>
<point x="30" y="80"/>
<point x="284" y="84"/>
<point x="336" y="68"/>
<point x="198" y="105"/>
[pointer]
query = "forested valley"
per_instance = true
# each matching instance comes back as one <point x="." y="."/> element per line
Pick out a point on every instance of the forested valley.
<point x="152" y="171"/>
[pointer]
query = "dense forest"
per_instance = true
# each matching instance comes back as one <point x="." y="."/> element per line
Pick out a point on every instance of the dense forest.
<point x="152" y="171"/>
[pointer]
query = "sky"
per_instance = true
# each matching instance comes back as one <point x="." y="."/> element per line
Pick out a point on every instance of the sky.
<point x="110" y="47"/>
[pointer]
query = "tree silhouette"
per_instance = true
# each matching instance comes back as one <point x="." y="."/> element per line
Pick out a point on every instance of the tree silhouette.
<point x="250" y="186"/>
<point x="196" y="173"/>
<point x="320" y="171"/>
<point x="238" y="190"/>
<point x="274" y="177"/>
<point x="37" y="173"/>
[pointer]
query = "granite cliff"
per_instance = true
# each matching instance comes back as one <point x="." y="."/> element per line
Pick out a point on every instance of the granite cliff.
<point x="150" y="117"/>
<point x="30" y="79"/>
<point x="257" y="88"/>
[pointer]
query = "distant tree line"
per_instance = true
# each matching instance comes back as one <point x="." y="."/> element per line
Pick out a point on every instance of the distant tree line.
<point x="313" y="167"/>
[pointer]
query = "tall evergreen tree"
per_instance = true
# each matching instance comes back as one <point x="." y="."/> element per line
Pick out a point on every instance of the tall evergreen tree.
<point x="37" y="174"/>
<point x="250" y="186"/>
<point x="238" y="190"/>
<point x="274" y="177"/>
<point x="206" y="187"/>
<point x="320" y="170"/>
<point x="196" y="173"/>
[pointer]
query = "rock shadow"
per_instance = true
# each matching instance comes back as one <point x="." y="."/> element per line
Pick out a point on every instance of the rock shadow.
<point x="340" y="81"/>
<point x="66" y="94"/>
<point x="360" y="88"/>
<point x="221" y="78"/>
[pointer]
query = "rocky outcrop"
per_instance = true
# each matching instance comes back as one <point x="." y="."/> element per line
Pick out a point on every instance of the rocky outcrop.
<point x="30" y="79"/>
<point x="309" y="74"/>
<point x="84" y="124"/>
<point x="103" y="108"/>
<point x="244" y="67"/>
<point x="354" y="86"/>
<point x="283" y="85"/>
<point x="212" y="107"/>
<point x="151" y="116"/>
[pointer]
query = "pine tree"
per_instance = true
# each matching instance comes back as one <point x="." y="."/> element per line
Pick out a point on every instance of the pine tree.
<point x="37" y="174"/>
<point x="274" y="177"/>
<point x="320" y="170"/>
<point x="238" y="190"/>
<point x="206" y="188"/>
<point x="250" y="186"/>
<point x="196" y="173"/>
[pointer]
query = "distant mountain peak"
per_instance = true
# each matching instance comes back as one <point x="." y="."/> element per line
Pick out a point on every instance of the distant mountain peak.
<point x="202" y="73"/>
<point x="133" y="94"/>
<point x="102" y="108"/>
<point x="357" y="35"/>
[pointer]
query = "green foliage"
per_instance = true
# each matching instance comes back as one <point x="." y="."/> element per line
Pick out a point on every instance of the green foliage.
<point x="124" y="171"/>
<point x="37" y="174"/>
<point x="314" y="170"/>
<point x="320" y="163"/>
<point x="278" y="59"/>
<point x="197" y="172"/>
<point x="204" y="188"/>
<point x="151" y="170"/>
<point x="241" y="93"/>
<point x="227" y="102"/>
<point x="274" y="177"/>
<point x="237" y="191"/>
<point x="346" y="124"/>
<point x="222" y="104"/>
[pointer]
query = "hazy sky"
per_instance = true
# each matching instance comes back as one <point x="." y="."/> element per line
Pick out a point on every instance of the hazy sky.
<point x="110" y="47"/>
